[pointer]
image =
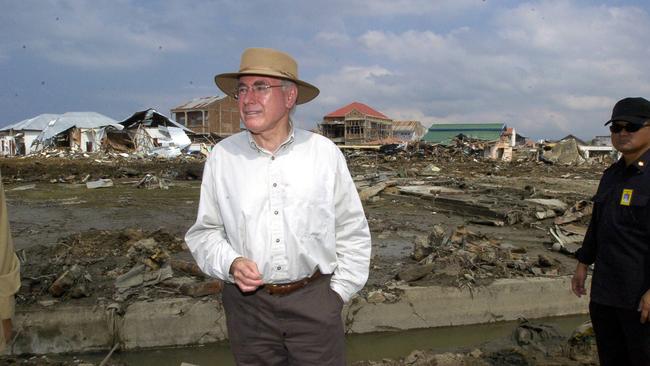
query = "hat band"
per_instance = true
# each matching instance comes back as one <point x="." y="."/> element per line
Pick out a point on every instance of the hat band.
<point x="257" y="69"/>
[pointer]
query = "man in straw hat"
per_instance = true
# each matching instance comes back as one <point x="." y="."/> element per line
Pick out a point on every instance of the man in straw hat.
<point x="280" y="221"/>
<point x="618" y="242"/>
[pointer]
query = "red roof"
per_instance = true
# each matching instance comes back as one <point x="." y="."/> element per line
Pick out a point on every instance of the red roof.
<point x="362" y="108"/>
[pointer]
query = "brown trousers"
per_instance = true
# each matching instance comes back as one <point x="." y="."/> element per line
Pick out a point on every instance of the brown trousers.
<point x="301" y="328"/>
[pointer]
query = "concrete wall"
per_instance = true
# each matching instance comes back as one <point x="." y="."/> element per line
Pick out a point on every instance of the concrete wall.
<point x="428" y="307"/>
<point x="188" y="321"/>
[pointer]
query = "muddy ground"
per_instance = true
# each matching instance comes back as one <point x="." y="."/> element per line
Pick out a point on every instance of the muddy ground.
<point x="89" y="239"/>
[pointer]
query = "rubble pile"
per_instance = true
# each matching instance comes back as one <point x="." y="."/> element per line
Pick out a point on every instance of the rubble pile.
<point x="469" y="258"/>
<point x="105" y="265"/>
<point x="83" y="169"/>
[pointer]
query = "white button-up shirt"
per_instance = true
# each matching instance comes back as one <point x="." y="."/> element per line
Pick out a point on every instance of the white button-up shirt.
<point x="292" y="212"/>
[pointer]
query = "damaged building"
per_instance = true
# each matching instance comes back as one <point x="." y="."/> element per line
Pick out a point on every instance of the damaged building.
<point x="408" y="131"/>
<point x="17" y="138"/>
<point x="78" y="131"/>
<point x="209" y="115"/>
<point x="148" y="132"/>
<point x="356" y="124"/>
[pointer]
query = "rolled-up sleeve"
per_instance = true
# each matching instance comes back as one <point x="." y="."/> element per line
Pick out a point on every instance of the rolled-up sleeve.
<point x="207" y="238"/>
<point x="353" y="243"/>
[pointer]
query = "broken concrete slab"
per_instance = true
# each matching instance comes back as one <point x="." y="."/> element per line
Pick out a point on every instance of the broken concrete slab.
<point x="101" y="183"/>
<point x="428" y="190"/>
<point x="505" y="299"/>
<point x="551" y="203"/>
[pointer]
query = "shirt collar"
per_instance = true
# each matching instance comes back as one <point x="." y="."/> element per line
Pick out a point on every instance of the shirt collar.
<point x="640" y="164"/>
<point x="290" y="138"/>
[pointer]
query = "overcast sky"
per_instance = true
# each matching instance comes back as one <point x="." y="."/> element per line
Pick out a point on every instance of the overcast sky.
<point x="547" y="68"/>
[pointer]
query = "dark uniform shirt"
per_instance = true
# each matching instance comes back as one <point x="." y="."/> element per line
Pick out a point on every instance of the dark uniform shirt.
<point x="618" y="237"/>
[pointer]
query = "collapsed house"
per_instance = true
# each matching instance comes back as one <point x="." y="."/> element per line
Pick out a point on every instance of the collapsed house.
<point x="79" y="131"/>
<point x="17" y="138"/>
<point x="150" y="133"/>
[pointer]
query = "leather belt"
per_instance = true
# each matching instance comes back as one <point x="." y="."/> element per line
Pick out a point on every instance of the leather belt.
<point x="282" y="289"/>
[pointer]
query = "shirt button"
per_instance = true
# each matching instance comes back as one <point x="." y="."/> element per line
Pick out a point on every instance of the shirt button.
<point x="275" y="212"/>
<point x="278" y="268"/>
<point x="277" y="240"/>
<point x="272" y="157"/>
<point x="275" y="184"/>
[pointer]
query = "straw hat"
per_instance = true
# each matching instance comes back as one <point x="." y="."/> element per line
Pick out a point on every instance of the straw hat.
<point x="267" y="62"/>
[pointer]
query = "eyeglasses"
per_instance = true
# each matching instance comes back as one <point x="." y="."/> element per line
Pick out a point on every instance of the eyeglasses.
<point x="257" y="89"/>
<point x="630" y="127"/>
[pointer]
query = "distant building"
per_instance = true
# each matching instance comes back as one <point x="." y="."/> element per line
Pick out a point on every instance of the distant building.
<point x="602" y="141"/>
<point x="356" y="124"/>
<point x="81" y="131"/>
<point x="408" y="130"/>
<point x="217" y="115"/>
<point x="17" y="138"/>
<point x="444" y="133"/>
<point x="149" y="132"/>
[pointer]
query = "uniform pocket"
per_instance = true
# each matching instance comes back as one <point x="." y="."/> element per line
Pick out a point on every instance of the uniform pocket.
<point x="637" y="212"/>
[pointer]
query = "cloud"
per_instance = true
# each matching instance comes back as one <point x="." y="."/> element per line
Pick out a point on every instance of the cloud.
<point x="332" y="38"/>
<point x="548" y="67"/>
<point x="94" y="35"/>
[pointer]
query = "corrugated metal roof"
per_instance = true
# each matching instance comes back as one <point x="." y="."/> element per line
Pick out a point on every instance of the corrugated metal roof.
<point x="467" y="126"/>
<point x="38" y="123"/>
<point x="199" y="103"/>
<point x="445" y="133"/>
<point x="362" y="108"/>
<point x="151" y="118"/>
<point x="79" y="120"/>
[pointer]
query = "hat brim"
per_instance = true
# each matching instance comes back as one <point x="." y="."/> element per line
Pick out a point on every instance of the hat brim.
<point x="228" y="83"/>
<point x="630" y="119"/>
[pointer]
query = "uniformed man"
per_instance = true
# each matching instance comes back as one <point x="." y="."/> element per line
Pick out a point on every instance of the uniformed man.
<point x="618" y="242"/>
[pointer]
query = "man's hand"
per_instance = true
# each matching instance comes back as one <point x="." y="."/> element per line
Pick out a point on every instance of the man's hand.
<point x="644" y="306"/>
<point x="7" y="329"/>
<point x="246" y="274"/>
<point x="578" y="280"/>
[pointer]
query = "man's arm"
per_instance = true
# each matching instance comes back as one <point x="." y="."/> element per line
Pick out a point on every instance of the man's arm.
<point x="352" y="235"/>
<point x="207" y="238"/>
<point x="586" y="255"/>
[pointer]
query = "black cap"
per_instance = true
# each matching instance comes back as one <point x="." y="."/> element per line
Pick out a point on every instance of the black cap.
<point x="632" y="110"/>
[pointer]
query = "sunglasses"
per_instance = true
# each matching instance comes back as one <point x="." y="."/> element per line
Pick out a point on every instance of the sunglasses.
<point x="630" y="127"/>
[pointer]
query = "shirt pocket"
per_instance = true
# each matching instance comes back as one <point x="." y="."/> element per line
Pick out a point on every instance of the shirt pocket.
<point x="636" y="214"/>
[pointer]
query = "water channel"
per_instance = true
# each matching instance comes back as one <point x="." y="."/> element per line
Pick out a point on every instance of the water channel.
<point x="373" y="346"/>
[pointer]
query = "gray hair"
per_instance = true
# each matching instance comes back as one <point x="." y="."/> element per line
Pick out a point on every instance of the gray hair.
<point x="286" y="85"/>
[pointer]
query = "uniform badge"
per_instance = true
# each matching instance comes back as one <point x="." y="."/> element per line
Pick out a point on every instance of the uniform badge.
<point x="626" y="197"/>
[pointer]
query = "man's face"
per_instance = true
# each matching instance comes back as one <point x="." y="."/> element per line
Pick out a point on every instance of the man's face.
<point x="265" y="110"/>
<point x="630" y="143"/>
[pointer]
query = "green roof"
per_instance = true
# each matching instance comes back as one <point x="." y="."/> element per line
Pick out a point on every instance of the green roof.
<point x="445" y="133"/>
